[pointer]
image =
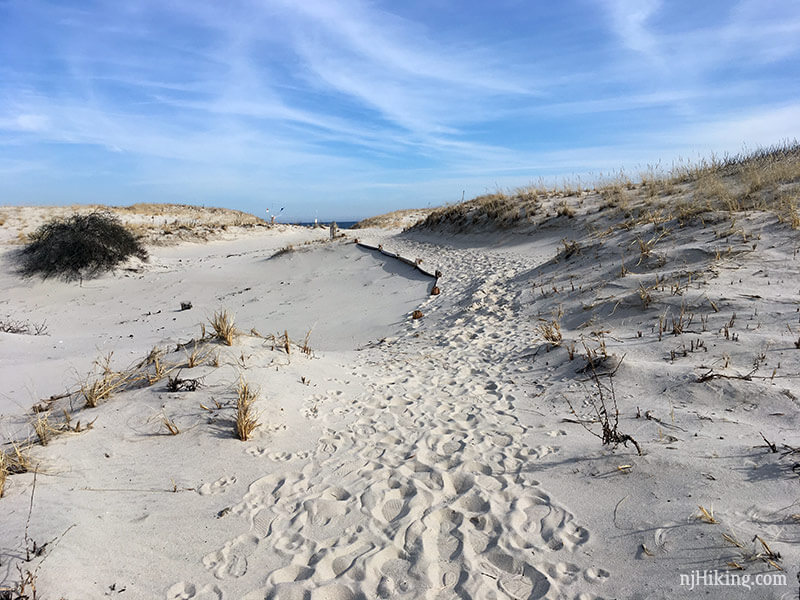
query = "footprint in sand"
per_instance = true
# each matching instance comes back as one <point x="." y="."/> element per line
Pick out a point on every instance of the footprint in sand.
<point x="348" y="560"/>
<point x="231" y="561"/>
<point x="189" y="591"/>
<point x="595" y="575"/>
<point x="334" y="592"/>
<point x="328" y="445"/>
<point x="290" y="574"/>
<point x="502" y="440"/>
<point x="556" y="433"/>
<point x="529" y="584"/>
<point x="257" y="451"/>
<point x="321" y="512"/>
<point x="537" y="452"/>
<point x="279" y="456"/>
<point x="289" y="545"/>
<point x="217" y="487"/>
<point x="555" y="525"/>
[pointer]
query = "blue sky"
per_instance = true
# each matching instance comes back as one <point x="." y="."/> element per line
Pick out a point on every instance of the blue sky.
<point x="347" y="108"/>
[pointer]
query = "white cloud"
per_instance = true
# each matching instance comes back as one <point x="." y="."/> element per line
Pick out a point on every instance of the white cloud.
<point x="753" y="128"/>
<point x="25" y="122"/>
<point x="629" y="19"/>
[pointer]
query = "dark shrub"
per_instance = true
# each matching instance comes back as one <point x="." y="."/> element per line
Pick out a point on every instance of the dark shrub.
<point x="78" y="247"/>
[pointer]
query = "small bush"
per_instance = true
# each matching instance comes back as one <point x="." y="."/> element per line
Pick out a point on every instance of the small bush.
<point x="79" y="247"/>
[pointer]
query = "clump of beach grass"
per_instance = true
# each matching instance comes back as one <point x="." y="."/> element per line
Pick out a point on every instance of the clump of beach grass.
<point x="197" y="355"/>
<point x="288" y="249"/>
<point x="706" y="515"/>
<point x="306" y="348"/>
<point x="224" y="328"/>
<point x="551" y="331"/>
<point x="43" y="428"/>
<point x="3" y="472"/>
<point x="169" y="425"/>
<point x="94" y="390"/>
<point x="12" y="462"/>
<point x="246" y="419"/>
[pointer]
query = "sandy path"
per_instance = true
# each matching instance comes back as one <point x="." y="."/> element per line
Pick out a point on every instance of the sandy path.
<point x="428" y="491"/>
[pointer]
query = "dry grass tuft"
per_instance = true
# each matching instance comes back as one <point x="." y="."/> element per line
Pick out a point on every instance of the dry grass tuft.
<point x="565" y="210"/>
<point x="788" y="212"/>
<point x="287" y="343"/>
<point x="170" y="425"/>
<point x="44" y="430"/>
<point x="224" y="329"/>
<point x="196" y="357"/>
<point x="571" y="248"/>
<point x="23" y="328"/>
<point x="305" y="348"/>
<point x="106" y="384"/>
<point x="646" y="246"/>
<point x="707" y="515"/>
<point x="285" y="250"/>
<point x="153" y="368"/>
<point x="3" y="472"/>
<point x="12" y="462"/>
<point x="246" y="419"/>
<point x="155" y="354"/>
<point x="67" y="425"/>
<point x="644" y="296"/>
<point x="551" y="331"/>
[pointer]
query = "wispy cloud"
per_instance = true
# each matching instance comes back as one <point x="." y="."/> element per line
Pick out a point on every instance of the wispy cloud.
<point x="630" y="21"/>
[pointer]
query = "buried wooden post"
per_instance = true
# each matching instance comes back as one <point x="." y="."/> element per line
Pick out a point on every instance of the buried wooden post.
<point x="416" y="263"/>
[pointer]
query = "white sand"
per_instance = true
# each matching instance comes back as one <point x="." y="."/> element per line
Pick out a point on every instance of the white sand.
<point x="431" y="458"/>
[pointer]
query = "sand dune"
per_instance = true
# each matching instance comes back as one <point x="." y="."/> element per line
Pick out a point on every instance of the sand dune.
<point x="451" y="456"/>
